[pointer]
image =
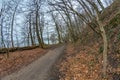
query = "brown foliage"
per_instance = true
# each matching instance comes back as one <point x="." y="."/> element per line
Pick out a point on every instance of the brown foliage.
<point x="83" y="65"/>
<point x="18" y="60"/>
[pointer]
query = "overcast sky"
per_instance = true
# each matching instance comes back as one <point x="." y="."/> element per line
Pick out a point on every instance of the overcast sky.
<point x="0" y="2"/>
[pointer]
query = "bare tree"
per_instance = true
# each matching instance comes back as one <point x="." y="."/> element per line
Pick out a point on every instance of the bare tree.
<point x="92" y="19"/>
<point x="30" y="30"/>
<point x="14" y="9"/>
<point x="57" y="27"/>
<point x="1" y="24"/>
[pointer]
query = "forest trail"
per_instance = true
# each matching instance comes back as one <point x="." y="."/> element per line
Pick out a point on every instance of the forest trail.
<point x="38" y="70"/>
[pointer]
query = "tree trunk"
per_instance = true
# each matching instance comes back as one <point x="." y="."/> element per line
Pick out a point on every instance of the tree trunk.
<point x="31" y="37"/>
<point x="48" y="36"/>
<point x="37" y="30"/>
<point x="105" y="51"/>
<point x="41" y="26"/>
<point x="59" y="37"/>
<point x="2" y="36"/>
<point x="12" y="24"/>
<point x="28" y="42"/>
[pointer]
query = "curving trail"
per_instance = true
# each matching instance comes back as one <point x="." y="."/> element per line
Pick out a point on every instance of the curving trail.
<point x="38" y="70"/>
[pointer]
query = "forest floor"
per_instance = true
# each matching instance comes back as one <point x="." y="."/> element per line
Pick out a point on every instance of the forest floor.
<point x="79" y="62"/>
<point x="84" y="63"/>
<point x="18" y="59"/>
<point x="37" y="70"/>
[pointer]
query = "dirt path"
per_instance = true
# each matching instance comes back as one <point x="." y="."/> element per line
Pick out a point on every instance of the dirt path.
<point x="39" y="69"/>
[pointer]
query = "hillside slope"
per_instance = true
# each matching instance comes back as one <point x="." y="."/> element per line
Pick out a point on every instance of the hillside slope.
<point x="83" y="60"/>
